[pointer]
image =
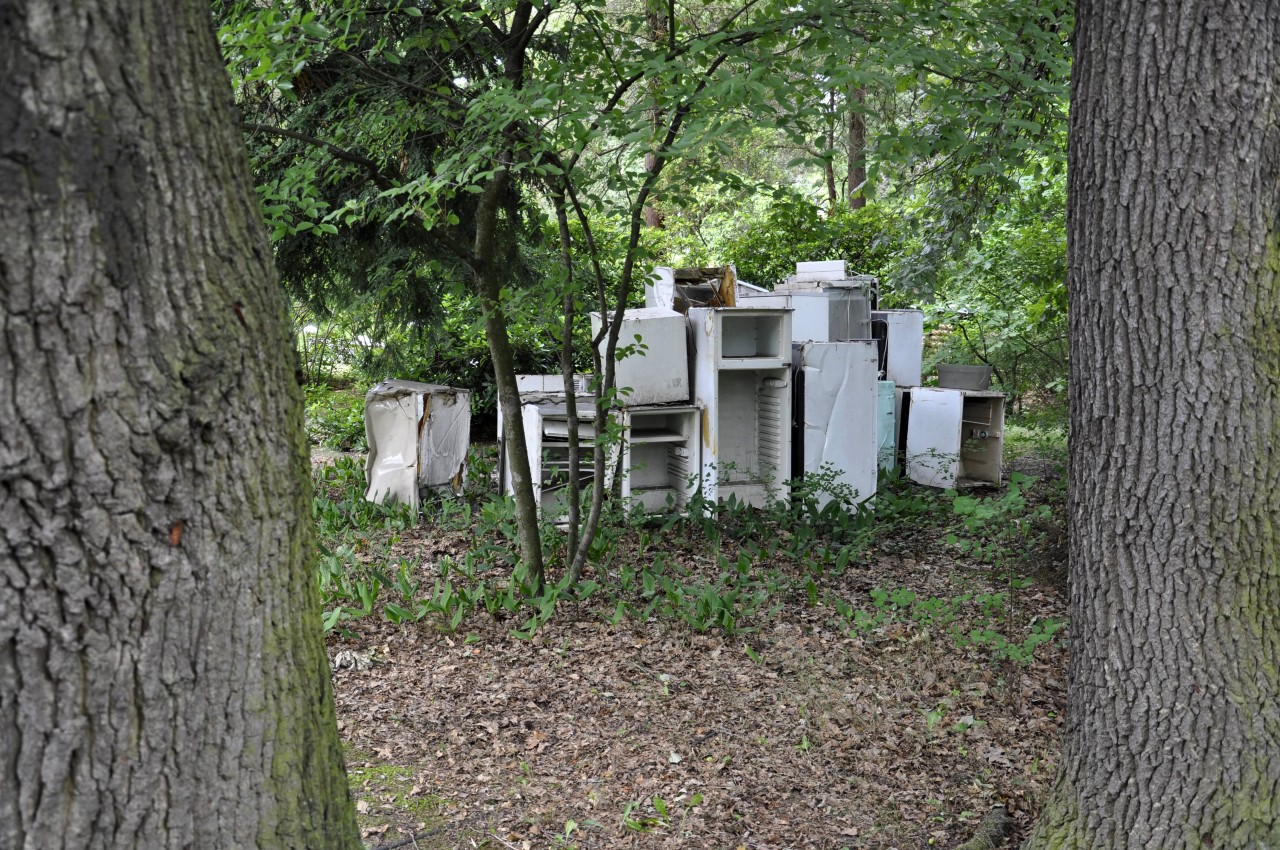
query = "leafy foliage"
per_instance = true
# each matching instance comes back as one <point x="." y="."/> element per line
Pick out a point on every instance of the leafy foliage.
<point x="1004" y="300"/>
<point x="786" y="554"/>
<point x="792" y="229"/>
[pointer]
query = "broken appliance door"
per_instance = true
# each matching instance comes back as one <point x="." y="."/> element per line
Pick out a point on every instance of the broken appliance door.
<point x="835" y="414"/>
<point x="418" y="436"/>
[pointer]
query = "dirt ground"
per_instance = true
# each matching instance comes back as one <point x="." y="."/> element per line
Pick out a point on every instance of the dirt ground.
<point x="653" y="735"/>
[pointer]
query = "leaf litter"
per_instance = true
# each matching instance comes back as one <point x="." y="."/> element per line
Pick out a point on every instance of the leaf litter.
<point x="650" y="734"/>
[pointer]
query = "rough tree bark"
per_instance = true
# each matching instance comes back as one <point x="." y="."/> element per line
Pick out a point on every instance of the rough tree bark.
<point x="1173" y="735"/>
<point x="163" y="683"/>
<point x="856" y="164"/>
<point x="660" y="15"/>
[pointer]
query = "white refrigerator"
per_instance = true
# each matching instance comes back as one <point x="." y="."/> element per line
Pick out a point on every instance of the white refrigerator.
<point x="742" y="383"/>
<point x="836" y="413"/>
<point x="955" y="438"/>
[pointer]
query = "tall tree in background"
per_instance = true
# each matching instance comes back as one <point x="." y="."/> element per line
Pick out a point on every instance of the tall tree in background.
<point x="856" y="159"/>
<point x="1173" y="736"/>
<point x="162" y="678"/>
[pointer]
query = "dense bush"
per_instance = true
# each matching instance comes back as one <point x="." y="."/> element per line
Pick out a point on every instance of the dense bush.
<point x="792" y="229"/>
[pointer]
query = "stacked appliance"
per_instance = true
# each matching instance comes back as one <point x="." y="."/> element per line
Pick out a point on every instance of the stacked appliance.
<point x="808" y="378"/>
<point x="835" y="366"/>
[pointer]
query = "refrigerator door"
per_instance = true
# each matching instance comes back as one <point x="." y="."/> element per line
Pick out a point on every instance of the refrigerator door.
<point x="391" y="430"/>
<point x="933" y="437"/>
<point x="839" y="413"/>
<point x="444" y="440"/>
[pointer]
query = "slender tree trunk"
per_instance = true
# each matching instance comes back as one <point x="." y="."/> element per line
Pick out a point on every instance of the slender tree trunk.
<point x="662" y="30"/>
<point x="163" y="683"/>
<point x="489" y="288"/>
<point x="569" y="308"/>
<point x="1173" y="736"/>
<point x="829" y="163"/>
<point x="857" y="159"/>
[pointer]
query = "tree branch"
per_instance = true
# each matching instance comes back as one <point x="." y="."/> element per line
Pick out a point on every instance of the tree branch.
<point x="381" y="180"/>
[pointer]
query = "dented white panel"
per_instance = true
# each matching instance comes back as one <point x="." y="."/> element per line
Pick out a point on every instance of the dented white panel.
<point x="660" y="288"/>
<point x="657" y="369"/>
<point x="444" y="439"/>
<point x="933" y="436"/>
<point x="391" y="430"/>
<point x="839" y="426"/>
<point x="418" y="437"/>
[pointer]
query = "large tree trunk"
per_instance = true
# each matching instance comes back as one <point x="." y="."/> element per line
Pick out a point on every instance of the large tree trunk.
<point x="163" y="683"/>
<point x="1173" y="735"/>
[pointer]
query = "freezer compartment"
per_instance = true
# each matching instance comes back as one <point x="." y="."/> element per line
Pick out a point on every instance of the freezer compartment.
<point x="748" y="338"/>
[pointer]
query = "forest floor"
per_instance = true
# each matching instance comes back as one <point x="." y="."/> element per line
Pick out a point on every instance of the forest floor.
<point x="602" y="732"/>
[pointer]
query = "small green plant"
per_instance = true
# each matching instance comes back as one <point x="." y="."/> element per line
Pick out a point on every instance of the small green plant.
<point x="636" y="815"/>
<point x="354" y="562"/>
<point x="335" y="418"/>
<point x="561" y="839"/>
